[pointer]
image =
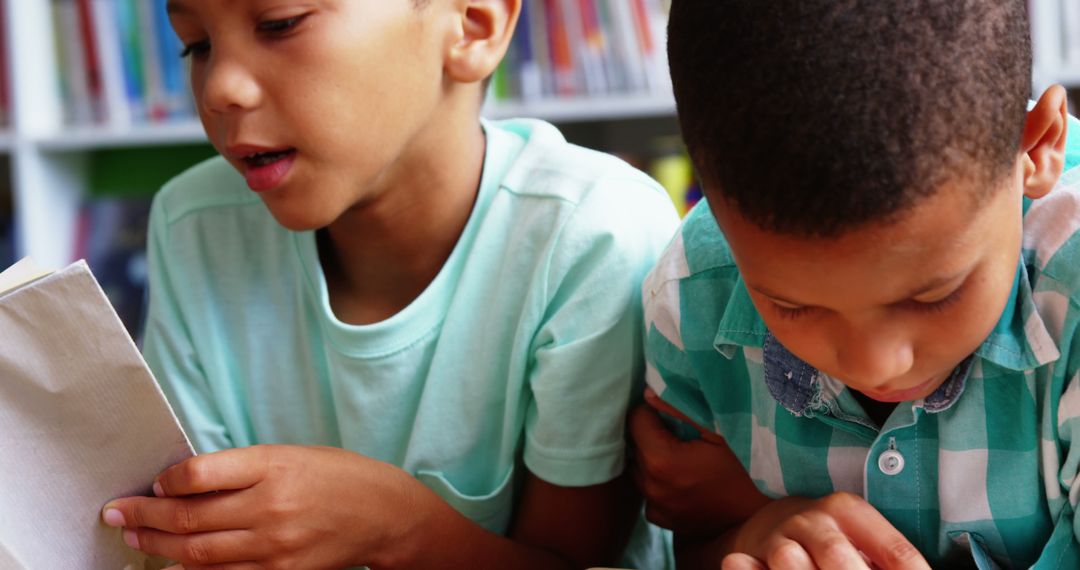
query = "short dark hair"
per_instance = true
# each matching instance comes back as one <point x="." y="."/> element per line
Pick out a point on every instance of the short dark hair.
<point x="815" y="117"/>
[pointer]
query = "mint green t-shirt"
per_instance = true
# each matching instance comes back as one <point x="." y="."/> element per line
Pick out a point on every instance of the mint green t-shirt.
<point x="522" y="353"/>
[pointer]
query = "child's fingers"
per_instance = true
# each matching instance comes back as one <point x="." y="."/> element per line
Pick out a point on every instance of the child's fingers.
<point x="207" y="549"/>
<point x="875" y="536"/>
<point x="228" y="470"/>
<point x="827" y="546"/>
<point x="179" y="516"/>
<point x="740" y="561"/>
<point x="787" y="554"/>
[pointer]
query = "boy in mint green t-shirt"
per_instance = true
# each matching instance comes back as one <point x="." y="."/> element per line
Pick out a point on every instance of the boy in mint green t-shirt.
<point x="433" y="320"/>
<point x="875" y="317"/>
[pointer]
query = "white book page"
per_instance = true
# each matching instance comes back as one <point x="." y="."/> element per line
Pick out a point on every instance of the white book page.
<point x="20" y="274"/>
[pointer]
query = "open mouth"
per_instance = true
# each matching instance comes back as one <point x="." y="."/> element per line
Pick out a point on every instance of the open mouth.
<point x="259" y="159"/>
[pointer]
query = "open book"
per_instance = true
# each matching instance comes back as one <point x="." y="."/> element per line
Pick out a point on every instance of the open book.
<point x="82" y="421"/>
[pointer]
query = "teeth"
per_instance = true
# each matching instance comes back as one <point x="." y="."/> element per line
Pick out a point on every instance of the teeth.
<point x="265" y="158"/>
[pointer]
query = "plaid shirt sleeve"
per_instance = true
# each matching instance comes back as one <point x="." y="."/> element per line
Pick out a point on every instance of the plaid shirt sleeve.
<point x="1061" y="452"/>
<point x="1061" y="422"/>
<point x="668" y="368"/>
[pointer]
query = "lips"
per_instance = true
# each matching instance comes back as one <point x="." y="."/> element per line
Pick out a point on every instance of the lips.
<point x="902" y="395"/>
<point x="264" y="168"/>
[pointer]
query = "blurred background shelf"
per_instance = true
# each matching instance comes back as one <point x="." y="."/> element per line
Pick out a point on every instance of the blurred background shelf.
<point x="582" y="109"/>
<point x="86" y="138"/>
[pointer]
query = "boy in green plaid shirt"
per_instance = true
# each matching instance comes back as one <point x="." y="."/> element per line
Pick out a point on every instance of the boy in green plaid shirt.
<point x="878" y="308"/>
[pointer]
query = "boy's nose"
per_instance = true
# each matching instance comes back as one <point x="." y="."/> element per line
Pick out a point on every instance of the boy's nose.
<point x="229" y="87"/>
<point x="870" y="360"/>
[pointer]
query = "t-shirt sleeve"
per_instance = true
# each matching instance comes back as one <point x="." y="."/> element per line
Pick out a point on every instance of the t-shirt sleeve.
<point x="167" y="344"/>
<point x="586" y="354"/>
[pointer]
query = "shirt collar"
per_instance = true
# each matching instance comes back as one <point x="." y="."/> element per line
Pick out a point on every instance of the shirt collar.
<point x="1019" y="342"/>
<point x="740" y="325"/>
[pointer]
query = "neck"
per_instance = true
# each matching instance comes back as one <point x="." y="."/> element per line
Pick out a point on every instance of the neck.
<point x="878" y="412"/>
<point x="380" y="255"/>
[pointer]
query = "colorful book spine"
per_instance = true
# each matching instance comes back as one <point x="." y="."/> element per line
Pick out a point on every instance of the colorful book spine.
<point x="75" y="84"/>
<point x="562" y="59"/>
<point x="596" y="47"/>
<point x="176" y="95"/>
<point x="538" y="32"/>
<point x="153" y="76"/>
<point x="127" y="27"/>
<point x="87" y="36"/>
<point x="119" y="63"/>
<point x="530" y="83"/>
<point x="108" y="42"/>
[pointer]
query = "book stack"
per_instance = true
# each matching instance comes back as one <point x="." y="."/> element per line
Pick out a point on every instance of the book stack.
<point x="119" y="63"/>
<point x="585" y="48"/>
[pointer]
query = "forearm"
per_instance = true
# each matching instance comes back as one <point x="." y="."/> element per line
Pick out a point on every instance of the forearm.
<point x="554" y="527"/>
<point x="446" y="539"/>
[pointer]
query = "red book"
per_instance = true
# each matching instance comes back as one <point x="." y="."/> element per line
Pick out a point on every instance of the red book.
<point x="644" y="30"/>
<point x="594" y="34"/>
<point x="562" y="60"/>
<point x="93" y="71"/>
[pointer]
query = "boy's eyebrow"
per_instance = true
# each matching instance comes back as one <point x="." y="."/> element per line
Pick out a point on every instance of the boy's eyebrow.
<point x="926" y="287"/>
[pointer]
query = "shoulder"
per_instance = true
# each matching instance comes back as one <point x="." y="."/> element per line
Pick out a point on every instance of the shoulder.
<point x="210" y="185"/>
<point x="584" y="199"/>
<point x="696" y="270"/>
<point x="698" y="251"/>
<point x="548" y="167"/>
<point x="1052" y="234"/>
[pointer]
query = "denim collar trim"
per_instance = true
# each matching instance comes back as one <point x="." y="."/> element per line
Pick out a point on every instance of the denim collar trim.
<point x="797" y="386"/>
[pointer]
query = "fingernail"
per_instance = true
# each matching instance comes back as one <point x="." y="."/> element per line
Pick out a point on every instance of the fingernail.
<point x="113" y="517"/>
<point x="131" y="539"/>
<point x="158" y="491"/>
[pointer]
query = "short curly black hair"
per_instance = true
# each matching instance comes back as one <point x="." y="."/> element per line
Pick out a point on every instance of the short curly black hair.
<point x="815" y="117"/>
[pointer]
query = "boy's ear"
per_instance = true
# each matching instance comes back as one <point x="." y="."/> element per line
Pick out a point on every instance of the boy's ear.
<point x="486" y="29"/>
<point x="1043" y="143"/>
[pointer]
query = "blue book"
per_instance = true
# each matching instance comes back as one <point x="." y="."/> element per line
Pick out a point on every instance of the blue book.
<point x="174" y="81"/>
<point x="127" y="26"/>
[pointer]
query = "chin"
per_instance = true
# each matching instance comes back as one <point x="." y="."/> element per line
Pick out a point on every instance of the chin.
<point x="300" y="221"/>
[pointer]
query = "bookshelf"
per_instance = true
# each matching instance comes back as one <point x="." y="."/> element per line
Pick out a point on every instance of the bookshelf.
<point x="49" y="167"/>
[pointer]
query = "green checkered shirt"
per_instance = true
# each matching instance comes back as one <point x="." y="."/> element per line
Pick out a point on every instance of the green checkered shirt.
<point x="984" y="469"/>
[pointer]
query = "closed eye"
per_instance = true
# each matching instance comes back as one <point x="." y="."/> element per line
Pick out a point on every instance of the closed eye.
<point x="197" y="50"/>
<point x="791" y="312"/>
<point x="939" y="305"/>
<point x="282" y="26"/>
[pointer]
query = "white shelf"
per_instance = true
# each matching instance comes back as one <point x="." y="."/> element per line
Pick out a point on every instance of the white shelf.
<point x="586" y="109"/>
<point x="91" y="138"/>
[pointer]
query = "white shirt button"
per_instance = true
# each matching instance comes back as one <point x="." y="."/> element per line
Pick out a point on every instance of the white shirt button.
<point x="891" y="462"/>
